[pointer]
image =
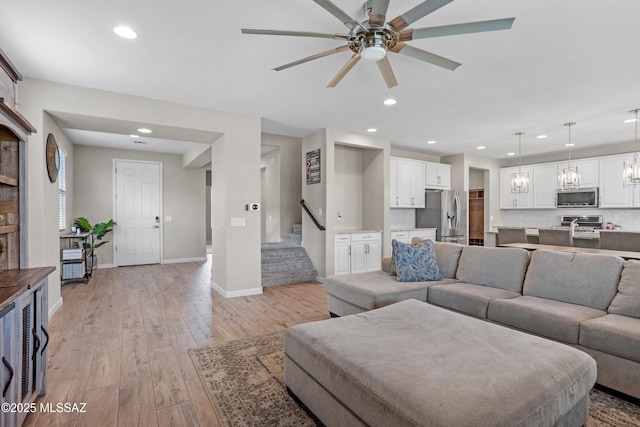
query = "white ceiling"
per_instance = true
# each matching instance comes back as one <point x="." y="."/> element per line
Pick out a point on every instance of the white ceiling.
<point x="570" y="60"/>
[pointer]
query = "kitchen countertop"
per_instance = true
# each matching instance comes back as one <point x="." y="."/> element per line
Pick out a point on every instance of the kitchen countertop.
<point x="395" y="230"/>
<point x="586" y="235"/>
<point x="357" y="231"/>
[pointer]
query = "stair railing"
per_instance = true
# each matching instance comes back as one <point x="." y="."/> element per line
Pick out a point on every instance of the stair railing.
<point x="311" y="215"/>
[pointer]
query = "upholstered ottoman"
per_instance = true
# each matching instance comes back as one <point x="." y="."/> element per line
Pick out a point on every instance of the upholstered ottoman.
<point x="414" y="364"/>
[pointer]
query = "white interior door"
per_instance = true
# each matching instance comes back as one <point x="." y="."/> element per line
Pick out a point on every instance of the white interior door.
<point x="138" y="214"/>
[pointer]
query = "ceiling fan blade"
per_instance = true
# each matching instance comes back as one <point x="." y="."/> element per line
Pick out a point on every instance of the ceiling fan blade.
<point x="295" y="33"/>
<point x="337" y="12"/>
<point x="344" y="70"/>
<point x="425" y="56"/>
<point x="378" y="12"/>
<point x="418" y="12"/>
<point x="312" y="57"/>
<point x="455" y="29"/>
<point x="387" y="73"/>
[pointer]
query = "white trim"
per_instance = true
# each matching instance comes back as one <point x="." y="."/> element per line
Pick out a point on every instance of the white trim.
<point x="101" y="266"/>
<point x="234" y="294"/>
<point x="55" y="307"/>
<point x="181" y="260"/>
<point x="113" y="184"/>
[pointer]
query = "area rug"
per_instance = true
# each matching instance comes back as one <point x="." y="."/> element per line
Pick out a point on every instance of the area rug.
<point x="245" y="382"/>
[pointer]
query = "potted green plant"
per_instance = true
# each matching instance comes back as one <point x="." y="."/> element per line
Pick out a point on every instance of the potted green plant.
<point x="98" y="231"/>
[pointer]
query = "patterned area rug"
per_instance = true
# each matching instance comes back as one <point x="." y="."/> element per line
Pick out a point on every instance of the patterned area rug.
<point x="245" y="382"/>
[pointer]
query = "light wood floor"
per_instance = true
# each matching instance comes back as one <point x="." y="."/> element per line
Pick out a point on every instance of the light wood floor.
<point x="119" y="343"/>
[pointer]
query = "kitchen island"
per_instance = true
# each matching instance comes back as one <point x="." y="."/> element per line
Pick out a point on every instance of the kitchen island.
<point x="581" y="239"/>
<point x="536" y="246"/>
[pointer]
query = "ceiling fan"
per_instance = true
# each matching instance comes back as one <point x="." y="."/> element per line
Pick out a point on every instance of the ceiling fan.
<point x="373" y="38"/>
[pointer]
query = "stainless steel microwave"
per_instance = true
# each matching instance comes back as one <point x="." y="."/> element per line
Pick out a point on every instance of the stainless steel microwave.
<point x="580" y="198"/>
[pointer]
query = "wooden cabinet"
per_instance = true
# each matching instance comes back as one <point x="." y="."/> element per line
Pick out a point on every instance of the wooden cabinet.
<point x="438" y="176"/>
<point x="476" y="217"/>
<point x="9" y="361"/>
<point x="357" y="252"/>
<point x="406" y="183"/>
<point x="509" y="200"/>
<point x="544" y="185"/>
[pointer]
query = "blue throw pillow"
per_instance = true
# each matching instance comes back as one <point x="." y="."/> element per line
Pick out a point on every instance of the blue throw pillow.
<point x="416" y="263"/>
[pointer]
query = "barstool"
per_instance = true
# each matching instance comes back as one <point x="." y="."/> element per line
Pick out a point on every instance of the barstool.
<point x="555" y="236"/>
<point x="511" y="235"/>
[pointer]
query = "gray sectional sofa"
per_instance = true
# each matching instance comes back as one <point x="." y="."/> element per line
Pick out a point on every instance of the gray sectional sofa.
<point x="588" y="301"/>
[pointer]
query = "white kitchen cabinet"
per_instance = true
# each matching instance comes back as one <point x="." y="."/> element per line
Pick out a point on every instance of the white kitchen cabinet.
<point x="544" y="185"/>
<point x="613" y="194"/>
<point x="589" y="171"/>
<point x="509" y="200"/>
<point x="342" y="254"/>
<point x="424" y="234"/>
<point x="400" y="236"/>
<point x="438" y="176"/>
<point x="358" y="252"/>
<point x="406" y="183"/>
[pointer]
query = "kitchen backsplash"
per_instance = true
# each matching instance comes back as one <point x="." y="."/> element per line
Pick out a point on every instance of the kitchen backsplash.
<point x="628" y="219"/>
<point x="403" y="218"/>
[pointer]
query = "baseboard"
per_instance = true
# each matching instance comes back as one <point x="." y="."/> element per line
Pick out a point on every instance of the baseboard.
<point x="55" y="307"/>
<point x="234" y="294"/>
<point x="101" y="266"/>
<point x="181" y="260"/>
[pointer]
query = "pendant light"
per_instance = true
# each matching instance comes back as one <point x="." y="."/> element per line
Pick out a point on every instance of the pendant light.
<point x="569" y="177"/>
<point x="631" y="173"/>
<point x="519" y="181"/>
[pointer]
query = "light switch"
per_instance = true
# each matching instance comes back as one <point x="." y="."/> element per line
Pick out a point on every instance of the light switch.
<point x="168" y="218"/>
<point x="238" y="222"/>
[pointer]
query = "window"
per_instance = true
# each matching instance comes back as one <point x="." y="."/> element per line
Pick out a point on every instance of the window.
<point x="62" y="191"/>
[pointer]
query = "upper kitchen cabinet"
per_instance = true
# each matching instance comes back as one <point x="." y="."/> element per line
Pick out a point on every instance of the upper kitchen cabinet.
<point x="589" y="171"/>
<point x="438" y="176"/>
<point x="613" y="194"/>
<point x="544" y="185"/>
<point x="406" y="183"/>
<point x="509" y="200"/>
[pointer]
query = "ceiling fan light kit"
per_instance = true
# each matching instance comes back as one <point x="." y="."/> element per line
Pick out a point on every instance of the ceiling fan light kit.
<point x="631" y="174"/>
<point x="373" y="38"/>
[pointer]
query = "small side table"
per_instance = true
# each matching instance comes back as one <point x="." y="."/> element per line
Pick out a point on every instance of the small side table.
<point x="80" y="268"/>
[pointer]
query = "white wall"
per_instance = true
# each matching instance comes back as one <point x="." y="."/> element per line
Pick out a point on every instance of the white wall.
<point x="290" y="191"/>
<point x="348" y="190"/>
<point x="37" y="98"/>
<point x="183" y="199"/>
<point x="270" y="195"/>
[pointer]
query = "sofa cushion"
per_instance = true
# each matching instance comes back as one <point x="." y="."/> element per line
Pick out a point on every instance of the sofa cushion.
<point x="467" y="298"/>
<point x="584" y="279"/>
<point x="502" y="268"/>
<point x="613" y="334"/>
<point x="375" y="289"/>
<point x="627" y="300"/>
<point x="448" y="256"/>
<point x="415" y="263"/>
<point x="548" y="318"/>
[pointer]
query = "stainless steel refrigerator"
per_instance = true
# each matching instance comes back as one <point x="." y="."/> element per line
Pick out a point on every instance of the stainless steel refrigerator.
<point x="445" y="210"/>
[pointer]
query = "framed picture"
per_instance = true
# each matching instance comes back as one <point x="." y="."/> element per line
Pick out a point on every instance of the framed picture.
<point x="313" y="167"/>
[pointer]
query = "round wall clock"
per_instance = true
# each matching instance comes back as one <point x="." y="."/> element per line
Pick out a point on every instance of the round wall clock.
<point x="52" y="157"/>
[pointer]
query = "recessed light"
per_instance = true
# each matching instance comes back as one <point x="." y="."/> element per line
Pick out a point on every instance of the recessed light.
<point x="481" y="147"/>
<point x="390" y="101"/>
<point x="630" y="120"/>
<point x="541" y="136"/>
<point x="431" y="142"/>
<point x="569" y="145"/>
<point x="134" y="136"/>
<point x="144" y="130"/>
<point x="372" y="130"/>
<point x="125" y="32"/>
<point x="511" y="154"/>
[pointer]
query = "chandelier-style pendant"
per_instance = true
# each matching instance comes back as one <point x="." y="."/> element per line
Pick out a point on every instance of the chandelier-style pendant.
<point x="569" y="178"/>
<point x="520" y="181"/>
<point x="631" y="173"/>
